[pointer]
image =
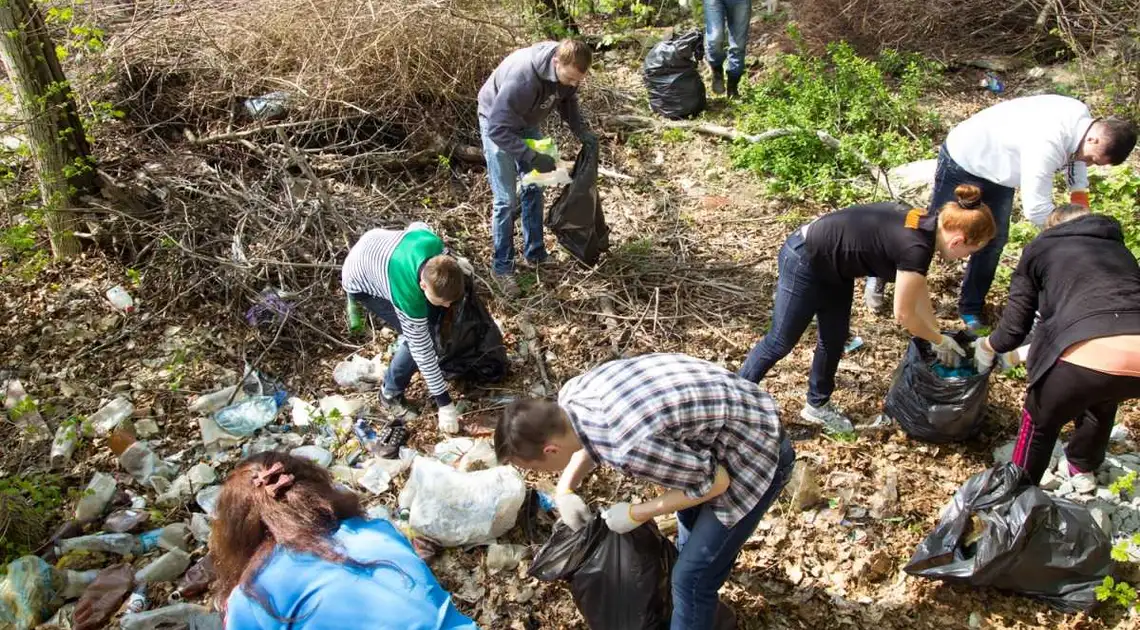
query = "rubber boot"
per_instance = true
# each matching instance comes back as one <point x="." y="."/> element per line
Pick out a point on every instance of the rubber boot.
<point x="718" y="80"/>
<point x="733" y="85"/>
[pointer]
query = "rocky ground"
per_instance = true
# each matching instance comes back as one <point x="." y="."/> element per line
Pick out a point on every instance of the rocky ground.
<point x="691" y="270"/>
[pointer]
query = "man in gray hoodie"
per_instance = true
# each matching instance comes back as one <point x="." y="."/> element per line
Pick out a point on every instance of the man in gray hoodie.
<point x="519" y="95"/>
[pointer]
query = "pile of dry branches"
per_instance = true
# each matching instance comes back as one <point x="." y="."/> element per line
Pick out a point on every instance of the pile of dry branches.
<point x="409" y="68"/>
<point x="962" y="30"/>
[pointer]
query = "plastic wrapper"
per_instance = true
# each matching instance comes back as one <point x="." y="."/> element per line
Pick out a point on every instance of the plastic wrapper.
<point x="461" y="508"/>
<point x="618" y="581"/>
<point x="1003" y="532"/>
<point x="931" y="408"/>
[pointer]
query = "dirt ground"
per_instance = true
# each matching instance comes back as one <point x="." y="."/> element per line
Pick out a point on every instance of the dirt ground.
<point x="691" y="269"/>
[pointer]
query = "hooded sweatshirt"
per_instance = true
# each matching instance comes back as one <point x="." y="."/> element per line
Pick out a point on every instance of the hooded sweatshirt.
<point x="521" y="93"/>
<point x="1085" y="283"/>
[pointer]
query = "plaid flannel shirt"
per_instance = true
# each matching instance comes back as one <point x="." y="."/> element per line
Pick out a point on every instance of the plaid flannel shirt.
<point x="671" y="419"/>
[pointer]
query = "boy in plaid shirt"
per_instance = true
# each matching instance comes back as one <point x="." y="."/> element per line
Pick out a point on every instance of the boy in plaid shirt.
<point x="708" y="436"/>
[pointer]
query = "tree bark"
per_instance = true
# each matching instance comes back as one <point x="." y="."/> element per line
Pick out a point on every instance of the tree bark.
<point x="55" y="132"/>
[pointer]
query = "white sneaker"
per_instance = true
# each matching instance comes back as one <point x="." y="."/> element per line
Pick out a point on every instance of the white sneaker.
<point x="829" y="417"/>
<point x="1082" y="482"/>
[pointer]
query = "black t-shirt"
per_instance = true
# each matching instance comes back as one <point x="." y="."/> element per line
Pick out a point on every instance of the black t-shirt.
<point x="872" y="240"/>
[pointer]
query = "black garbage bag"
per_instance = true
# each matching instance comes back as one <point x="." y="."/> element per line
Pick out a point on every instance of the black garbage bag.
<point x="468" y="341"/>
<point x="932" y="408"/>
<point x="1001" y="531"/>
<point x="576" y="216"/>
<point x="618" y="581"/>
<point x="672" y="76"/>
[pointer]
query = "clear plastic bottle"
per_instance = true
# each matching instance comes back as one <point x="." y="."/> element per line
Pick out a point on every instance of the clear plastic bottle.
<point x="120" y="299"/>
<point x="95" y="499"/>
<point x="111" y="415"/>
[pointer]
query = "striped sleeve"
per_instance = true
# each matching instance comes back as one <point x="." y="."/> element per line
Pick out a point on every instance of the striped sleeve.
<point x="418" y="336"/>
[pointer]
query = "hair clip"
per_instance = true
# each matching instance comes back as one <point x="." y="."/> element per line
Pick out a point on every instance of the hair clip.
<point x="262" y="478"/>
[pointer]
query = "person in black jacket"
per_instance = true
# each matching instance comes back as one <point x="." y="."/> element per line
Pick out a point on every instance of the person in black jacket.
<point x="817" y="269"/>
<point x="1085" y="354"/>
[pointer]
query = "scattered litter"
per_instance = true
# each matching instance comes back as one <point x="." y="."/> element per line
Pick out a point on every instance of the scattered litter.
<point x="504" y="557"/>
<point x="30" y="589"/>
<point x="103" y="597"/>
<point x="314" y="454"/>
<point x="121" y="544"/>
<point x="120" y="299"/>
<point x="178" y="615"/>
<point x="96" y="497"/>
<point x="166" y="568"/>
<point x="207" y="499"/>
<point x="358" y="372"/>
<point x="375" y="479"/>
<point x="110" y="416"/>
<point x="126" y="521"/>
<point x="250" y="415"/>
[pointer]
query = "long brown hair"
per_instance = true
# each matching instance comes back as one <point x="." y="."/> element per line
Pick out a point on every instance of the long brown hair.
<point x="275" y="499"/>
<point x="968" y="215"/>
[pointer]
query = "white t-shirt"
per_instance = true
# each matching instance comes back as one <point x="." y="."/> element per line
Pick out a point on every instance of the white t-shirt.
<point x="1021" y="143"/>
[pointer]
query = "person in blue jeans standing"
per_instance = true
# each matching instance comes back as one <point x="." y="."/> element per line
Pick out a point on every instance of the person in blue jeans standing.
<point x="711" y="439"/>
<point x="1018" y="144"/>
<point x="521" y="92"/>
<point x="818" y="265"/>
<point x="727" y="20"/>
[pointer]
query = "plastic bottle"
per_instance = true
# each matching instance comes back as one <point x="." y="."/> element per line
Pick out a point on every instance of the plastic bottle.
<point x="143" y="464"/>
<point x="77" y="581"/>
<point x="197" y="580"/>
<point x="178" y="615"/>
<point x="122" y="544"/>
<point x="215" y="401"/>
<point x="355" y="319"/>
<point x="111" y="415"/>
<point x="64" y="444"/>
<point x="166" y="568"/>
<point x="137" y="602"/>
<point x="120" y="299"/>
<point x="125" y="521"/>
<point x="96" y="497"/>
<point x="246" y="417"/>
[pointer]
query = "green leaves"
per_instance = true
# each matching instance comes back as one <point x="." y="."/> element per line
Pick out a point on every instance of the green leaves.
<point x="871" y="106"/>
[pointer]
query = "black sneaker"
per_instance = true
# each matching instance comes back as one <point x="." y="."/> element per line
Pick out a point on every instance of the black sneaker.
<point x="717" y="81"/>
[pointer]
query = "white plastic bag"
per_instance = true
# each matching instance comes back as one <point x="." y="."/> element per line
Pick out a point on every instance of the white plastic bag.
<point x="457" y="508"/>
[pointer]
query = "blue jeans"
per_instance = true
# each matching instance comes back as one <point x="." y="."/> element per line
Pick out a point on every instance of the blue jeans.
<point x="984" y="263"/>
<point x="503" y="171"/>
<point x="801" y="294"/>
<point x="708" y="550"/>
<point x="403" y="366"/>
<point x="731" y="18"/>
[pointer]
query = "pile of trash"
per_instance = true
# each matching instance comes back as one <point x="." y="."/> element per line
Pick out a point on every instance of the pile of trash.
<point x="1115" y="500"/>
<point x="153" y="565"/>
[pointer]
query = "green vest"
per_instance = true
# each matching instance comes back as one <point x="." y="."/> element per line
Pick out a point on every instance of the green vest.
<point x="414" y="250"/>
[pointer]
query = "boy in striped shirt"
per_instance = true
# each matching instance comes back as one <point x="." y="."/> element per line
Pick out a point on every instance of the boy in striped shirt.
<point x="405" y="278"/>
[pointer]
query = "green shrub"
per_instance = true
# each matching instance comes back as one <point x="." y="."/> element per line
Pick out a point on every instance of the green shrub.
<point x="1118" y="195"/>
<point x="870" y="106"/>
<point x="28" y="506"/>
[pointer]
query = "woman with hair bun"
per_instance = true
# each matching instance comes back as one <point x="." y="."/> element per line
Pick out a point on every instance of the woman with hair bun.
<point x="818" y="265"/>
<point x="294" y="551"/>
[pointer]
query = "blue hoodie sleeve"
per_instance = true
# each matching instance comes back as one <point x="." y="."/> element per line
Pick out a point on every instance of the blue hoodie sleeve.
<point x="506" y="122"/>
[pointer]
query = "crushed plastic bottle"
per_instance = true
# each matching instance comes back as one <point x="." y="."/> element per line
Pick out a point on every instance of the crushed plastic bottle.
<point x="121" y="544"/>
<point x="207" y="499"/>
<point x="166" y="568"/>
<point x="200" y="527"/>
<point x="111" y="415"/>
<point x="120" y="299"/>
<point x="248" y="416"/>
<point x="357" y="372"/>
<point x="178" y="615"/>
<point x="126" y="521"/>
<point x="175" y="536"/>
<point x="197" y="580"/>
<point x="76" y="582"/>
<point x="96" y="497"/>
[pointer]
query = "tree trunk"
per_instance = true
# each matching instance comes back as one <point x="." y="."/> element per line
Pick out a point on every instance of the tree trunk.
<point x="55" y="132"/>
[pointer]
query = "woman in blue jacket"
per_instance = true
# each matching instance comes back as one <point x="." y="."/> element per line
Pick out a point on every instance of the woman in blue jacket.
<point x="293" y="551"/>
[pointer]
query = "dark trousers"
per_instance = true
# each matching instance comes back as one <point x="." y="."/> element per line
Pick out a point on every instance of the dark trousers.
<point x="1070" y="392"/>
<point x="802" y="294"/>
<point x="983" y="263"/>
<point x="403" y="366"/>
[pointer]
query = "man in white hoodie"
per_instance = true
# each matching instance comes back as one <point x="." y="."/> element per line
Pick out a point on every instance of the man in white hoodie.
<point x="1019" y="143"/>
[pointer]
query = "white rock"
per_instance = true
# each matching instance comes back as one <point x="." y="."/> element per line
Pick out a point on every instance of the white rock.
<point x="314" y="454"/>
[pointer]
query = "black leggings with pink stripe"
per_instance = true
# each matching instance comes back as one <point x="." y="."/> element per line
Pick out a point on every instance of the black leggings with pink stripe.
<point x="1070" y="392"/>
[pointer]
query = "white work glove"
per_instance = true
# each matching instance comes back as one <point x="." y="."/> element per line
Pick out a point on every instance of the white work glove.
<point x="619" y="518"/>
<point x="948" y="351"/>
<point x="449" y="419"/>
<point x="984" y="355"/>
<point x="573" y="510"/>
<point x="465" y="265"/>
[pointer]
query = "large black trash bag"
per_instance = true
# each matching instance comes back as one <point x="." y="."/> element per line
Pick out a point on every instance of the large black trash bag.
<point x="672" y="76"/>
<point x="618" y="581"/>
<point x="931" y="408"/>
<point x="469" y="342"/>
<point x="576" y="216"/>
<point x="1030" y="542"/>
